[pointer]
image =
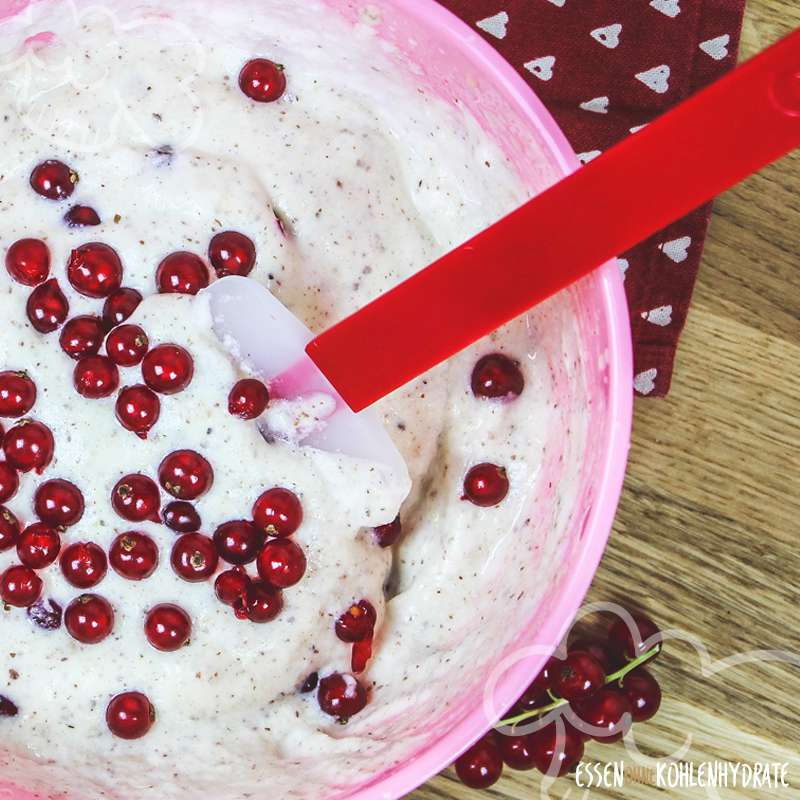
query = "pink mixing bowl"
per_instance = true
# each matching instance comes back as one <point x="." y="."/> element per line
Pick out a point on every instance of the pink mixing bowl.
<point x="451" y="59"/>
<point x="456" y="63"/>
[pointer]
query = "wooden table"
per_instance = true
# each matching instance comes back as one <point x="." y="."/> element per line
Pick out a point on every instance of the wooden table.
<point x="707" y="534"/>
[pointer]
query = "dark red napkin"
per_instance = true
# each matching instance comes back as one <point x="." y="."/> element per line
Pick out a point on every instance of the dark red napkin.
<point x="603" y="68"/>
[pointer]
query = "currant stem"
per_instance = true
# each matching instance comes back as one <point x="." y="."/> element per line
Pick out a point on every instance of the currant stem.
<point x="526" y="715"/>
<point x="619" y="675"/>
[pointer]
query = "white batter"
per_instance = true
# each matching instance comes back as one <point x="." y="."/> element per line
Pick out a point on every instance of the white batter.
<point x="373" y="179"/>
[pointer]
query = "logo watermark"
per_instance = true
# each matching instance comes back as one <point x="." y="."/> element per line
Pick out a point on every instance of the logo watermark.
<point x="668" y="774"/>
<point x="669" y="771"/>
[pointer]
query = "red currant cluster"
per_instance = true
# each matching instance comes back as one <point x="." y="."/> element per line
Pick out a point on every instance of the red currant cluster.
<point x="595" y="693"/>
<point x="95" y="270"/>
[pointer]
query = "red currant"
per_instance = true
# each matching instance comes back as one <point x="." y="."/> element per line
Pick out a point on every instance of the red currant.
<point x="138" y="409"/>
<point x="84" y="564"/>
<point x="127" y="345"/>
<point x="130" y="715"/>
<point x="59" y="503"/>
<point x="136" y="498"/>
<point x="232" y="253"/>
<point x="47" y="307"/>
<point x="182" y="273"/>
<point x="594" y="647"/>
<point x="182" y="517"/>
<point x="28" y="261"/>
<point x="95" y="270"/>
<point x="89" y="618"/>
<point x="17" y="394"/>
<point x="556" y="752"/>
<point x="43" y="617"/>
<point x="38" y="546"/>
<point x="248" y="399"/>
<point x="341" y="696"/>
<point x="7" y="708"/>
<point x="497" y="377"/>
<point x="608" y="712"/>
<point x="167" y="627"/>
<point x="168" y="369"/>
<point x="185" y="474"/>
<point x="82" y="336"/>
<point x="231" y="587"/>
<point x="20" y="586"/>
<point x="9" y="529"/>
<point x="133" y="555"/>
<point x="119" y="306"/>
<point x="482" y="765"/>
<point x="263" y="602"/>
<point x="282" y="563"/>
<point x="389" y="534"/>
<point x="278" y="512"/>
<point x="357" y="623"/>
<point x="96" y="377"/>
<point x="643" y="693"/>
<point x="194" y="557"/>
<point x="29" y="445"/>
<point x="53" y="179"/>
<point x="518" y="752"/>
<point x="578" y="676"/>
<point x="362" y="653"/>
<point x="535" y="696"/>
<point x="238" y="542"/>
<point x="262" y="80"/>
<point x="9" y="482"/>
<point x="622" y="639"/>
<point x="485" y="485"/>
<point x="81" y="217"/>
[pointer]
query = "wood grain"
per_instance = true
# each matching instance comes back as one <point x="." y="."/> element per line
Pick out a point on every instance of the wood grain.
<point x="707" y="531"/>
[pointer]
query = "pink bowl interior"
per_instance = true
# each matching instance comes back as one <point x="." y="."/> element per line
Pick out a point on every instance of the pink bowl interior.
<point x="453" y="61"/>
<point x="450" y="59"/>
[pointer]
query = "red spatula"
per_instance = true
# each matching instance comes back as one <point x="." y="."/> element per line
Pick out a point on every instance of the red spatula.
<point x="677" y="163"/>
<point x="689" y="155"/>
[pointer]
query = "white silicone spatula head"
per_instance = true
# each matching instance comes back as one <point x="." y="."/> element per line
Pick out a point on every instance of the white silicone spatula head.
<point x="260" y="332"/>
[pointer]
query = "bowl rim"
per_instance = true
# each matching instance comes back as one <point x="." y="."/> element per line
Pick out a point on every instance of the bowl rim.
<point x="401" y="780"/>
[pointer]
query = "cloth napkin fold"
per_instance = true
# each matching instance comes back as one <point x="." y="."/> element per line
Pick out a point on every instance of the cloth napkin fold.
<point x="603" y="68"/>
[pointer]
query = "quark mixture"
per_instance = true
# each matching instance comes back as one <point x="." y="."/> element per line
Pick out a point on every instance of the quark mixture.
<point x="351" y="181"/>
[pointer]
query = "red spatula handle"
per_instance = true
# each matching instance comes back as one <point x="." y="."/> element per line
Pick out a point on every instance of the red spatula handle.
<point x="689" y="155"/>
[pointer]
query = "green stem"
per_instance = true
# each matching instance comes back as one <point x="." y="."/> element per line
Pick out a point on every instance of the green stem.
<point x="537" y="712"/>
<point x="619" y="675"/>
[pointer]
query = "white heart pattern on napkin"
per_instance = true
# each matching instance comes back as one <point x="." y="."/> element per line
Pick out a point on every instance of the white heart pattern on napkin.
<point x="608" y="36"/>
<point x="542" y="67"/>
<point x="661" y="316"/>
<point x="598" y="104"/>
<point x="591" y="155"/>
<point x="645" y="382"/>
<point x="656" y="78"/>
<point x="670" y="8"/>
<point x="495" y="25"/>
<point x="677" y="249"/>
<point x="717" y="48"/>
